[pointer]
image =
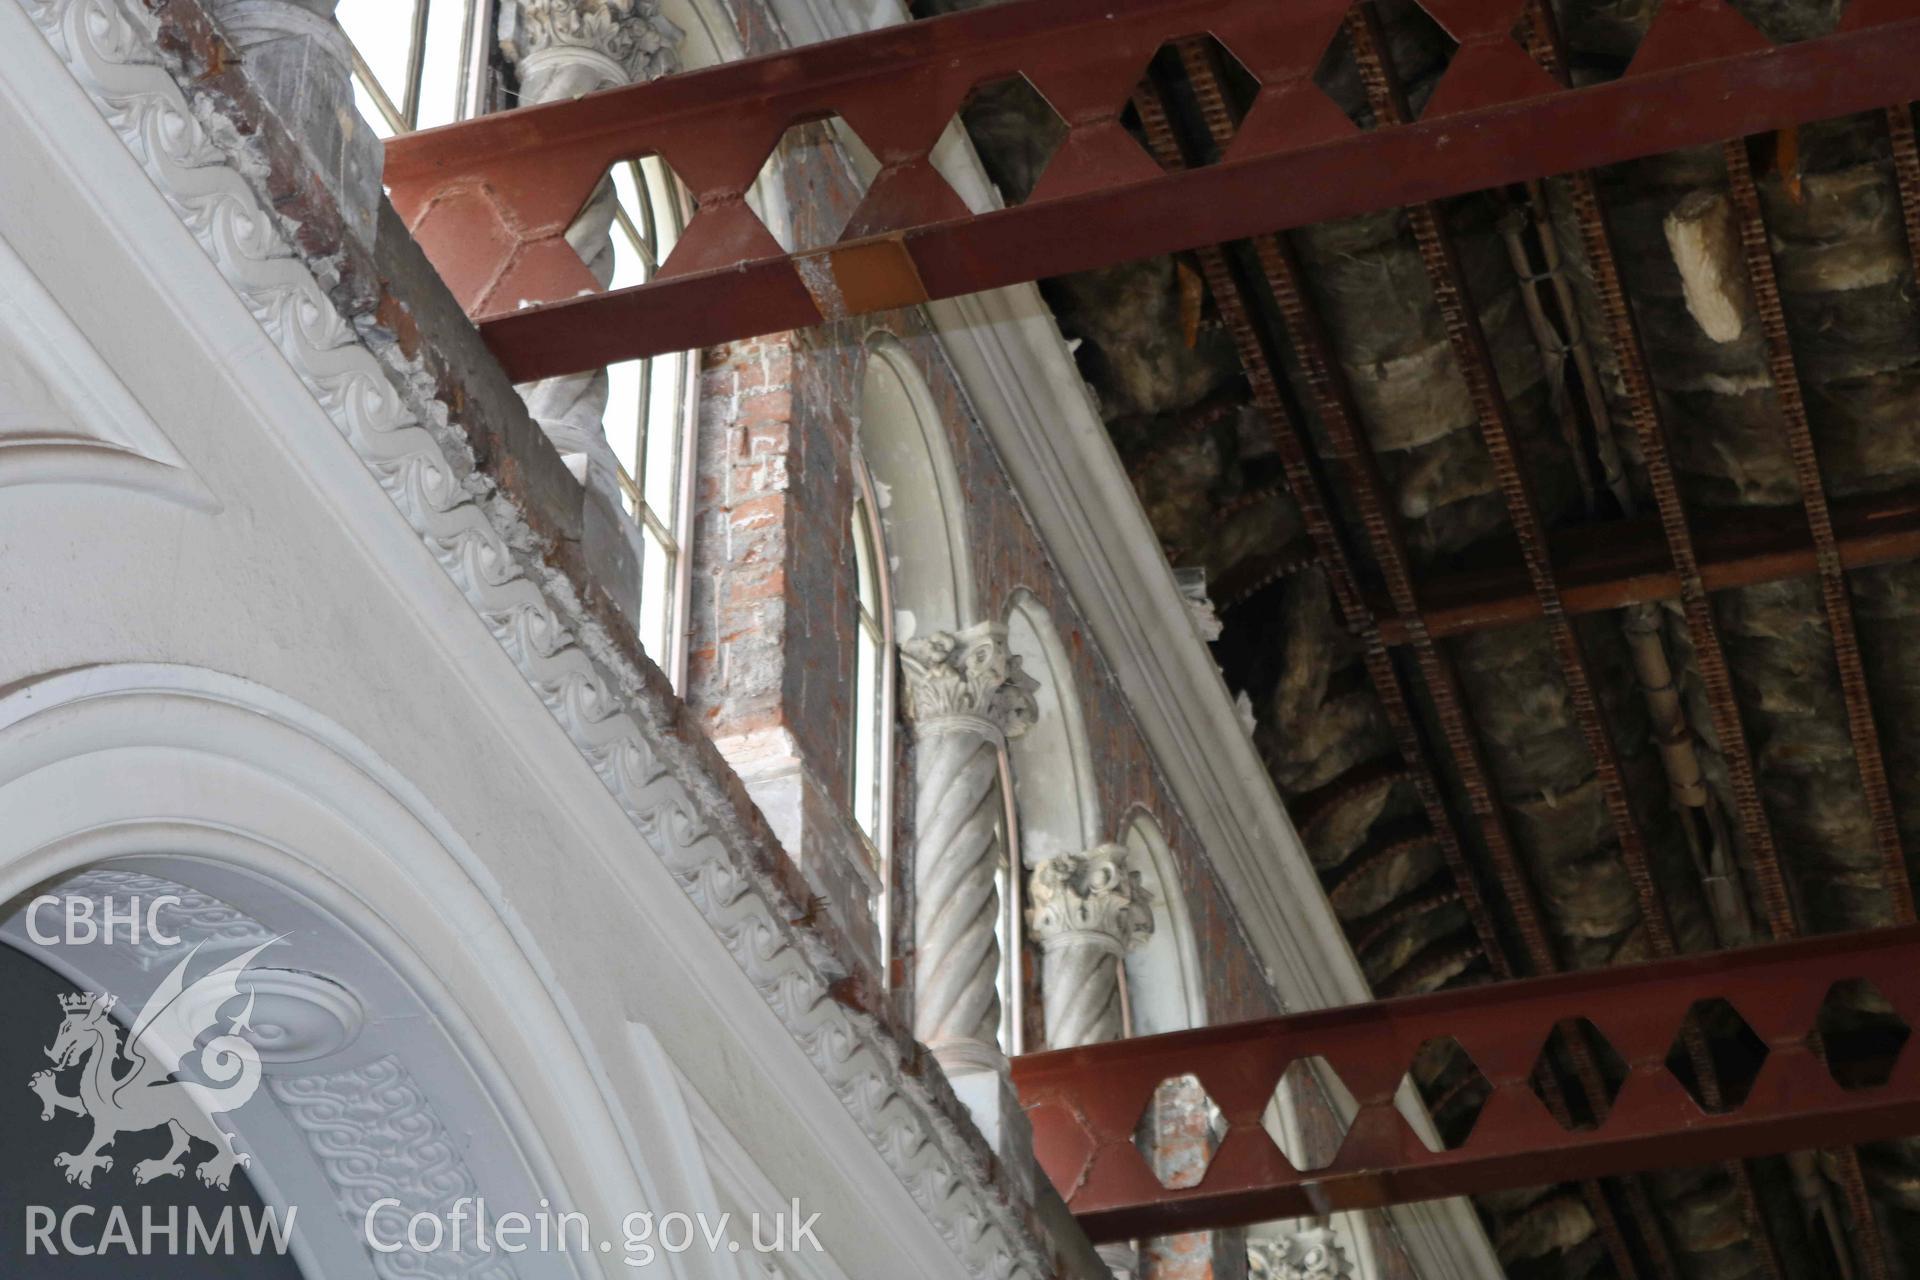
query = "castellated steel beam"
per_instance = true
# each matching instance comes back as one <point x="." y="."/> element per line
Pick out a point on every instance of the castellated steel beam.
<point x="1085" y="1104"/>
<point x="490" y="199"/>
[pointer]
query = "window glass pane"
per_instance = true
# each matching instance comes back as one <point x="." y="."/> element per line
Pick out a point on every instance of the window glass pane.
<point x="863" y="558"/>
<point x="370" y="111"/>
<point x="637" y="255"/>
<point x="442" y="75"/>
<point x="666" y="421"/>
<point x="629" y="254"/>
<point x="379" y="29"/>
<point x="668" y="201"/>
<point x="622" y="418"/>
<point x="656" y="601"/>
<point x="866" y="701"/>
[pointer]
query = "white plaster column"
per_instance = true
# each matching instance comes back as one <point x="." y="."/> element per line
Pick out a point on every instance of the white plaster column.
<point x="1087" y="911"/>
<point x="563" y="49"/>
<point x="966" y="695"/>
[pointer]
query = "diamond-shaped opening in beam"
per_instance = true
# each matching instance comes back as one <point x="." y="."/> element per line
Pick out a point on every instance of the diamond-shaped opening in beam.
<point x="1207" y="93"/>
<point x="1338" y="76"/>
<point x="1310" y="1113"/>
<point x="1453" y="1088"/>
<point x="807" y="189"/>
<point x="1578" y="1075"/>
<point x="1420" y="51"/>
<point x="1716" y="1055"/>
<point x="1790" y="24"/>
<point x="1016" y="131"/>
<point x="1179" y="1132"/>
<point x="632" y="222"/>
<point x="1861" y="1034"/>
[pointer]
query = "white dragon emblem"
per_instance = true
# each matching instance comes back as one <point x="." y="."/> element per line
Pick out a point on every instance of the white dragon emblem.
<point x="144" y="1097"/>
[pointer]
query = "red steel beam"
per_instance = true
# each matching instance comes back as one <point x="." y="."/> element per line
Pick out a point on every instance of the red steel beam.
<point x="1085" y="1103"/>
<point x="490" y="199"/>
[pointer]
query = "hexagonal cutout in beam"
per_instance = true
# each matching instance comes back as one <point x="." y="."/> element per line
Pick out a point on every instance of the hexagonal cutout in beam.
<point x="1310" y="1113"/>
<point x="1017" y="132"/>
<point x="1716" y="1056"/>
<point x="1180" y="1132"/>
<point x="632" y="222"/>
<point x="1578" y="1075"/>
<point x="1453" y="1088"/>
<point x="1861" y="1034"/>
<point x="1208" y="90"/>
<point x="808" y="188"/>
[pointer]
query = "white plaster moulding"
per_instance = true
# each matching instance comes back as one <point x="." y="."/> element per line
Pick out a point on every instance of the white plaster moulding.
<point x="600" y="699"/>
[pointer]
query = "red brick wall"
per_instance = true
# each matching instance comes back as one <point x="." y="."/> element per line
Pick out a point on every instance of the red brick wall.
<point x="773" y="603"/>
<point x="774" y="592"/>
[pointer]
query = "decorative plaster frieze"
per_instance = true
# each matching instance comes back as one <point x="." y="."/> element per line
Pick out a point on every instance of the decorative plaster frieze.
<point x="376" y="1137"/>
<point x="613" y="713"/>
<point x="195" y="918"/>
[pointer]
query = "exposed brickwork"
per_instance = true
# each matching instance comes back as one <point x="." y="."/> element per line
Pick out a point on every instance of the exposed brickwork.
<point x="1181" y="1121"/>
<point x="773" y="603"/>
<point x="772" y="654"/>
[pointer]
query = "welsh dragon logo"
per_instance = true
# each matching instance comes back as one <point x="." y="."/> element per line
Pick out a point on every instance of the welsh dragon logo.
<point x="143" y="1095"/>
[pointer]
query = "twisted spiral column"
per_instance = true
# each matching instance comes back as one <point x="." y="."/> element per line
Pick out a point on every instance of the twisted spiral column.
<point x="966" y="695"/>
<point x="561" y="50"/>
<point x="1087" y="910"/>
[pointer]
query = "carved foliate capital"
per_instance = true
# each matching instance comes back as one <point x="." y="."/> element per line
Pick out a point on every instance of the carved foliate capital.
<point x="968" y="674"/>
<point x="564" y="48"/>
<point x="1313" y="1253"/>
<point x="1091" y="896"/>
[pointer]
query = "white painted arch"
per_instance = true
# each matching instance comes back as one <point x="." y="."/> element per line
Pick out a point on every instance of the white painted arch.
<point x="242" y="795"/>
<point x="922" y="505"/>
<point x="1165" y="989"/>
<point x="1055" y="792"/>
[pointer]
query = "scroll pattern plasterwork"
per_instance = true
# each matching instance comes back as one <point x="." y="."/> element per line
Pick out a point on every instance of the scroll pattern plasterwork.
<point x="196" y="917"/>
<point x="377" y="1137"/>
<point x="110" y="52"/>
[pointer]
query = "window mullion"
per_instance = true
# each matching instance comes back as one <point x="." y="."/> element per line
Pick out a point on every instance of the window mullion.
<point x="416" y="64"/>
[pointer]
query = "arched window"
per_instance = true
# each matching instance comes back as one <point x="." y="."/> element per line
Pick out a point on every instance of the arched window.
<point x="873" y="680"/>
<point x="649" y="418"/>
